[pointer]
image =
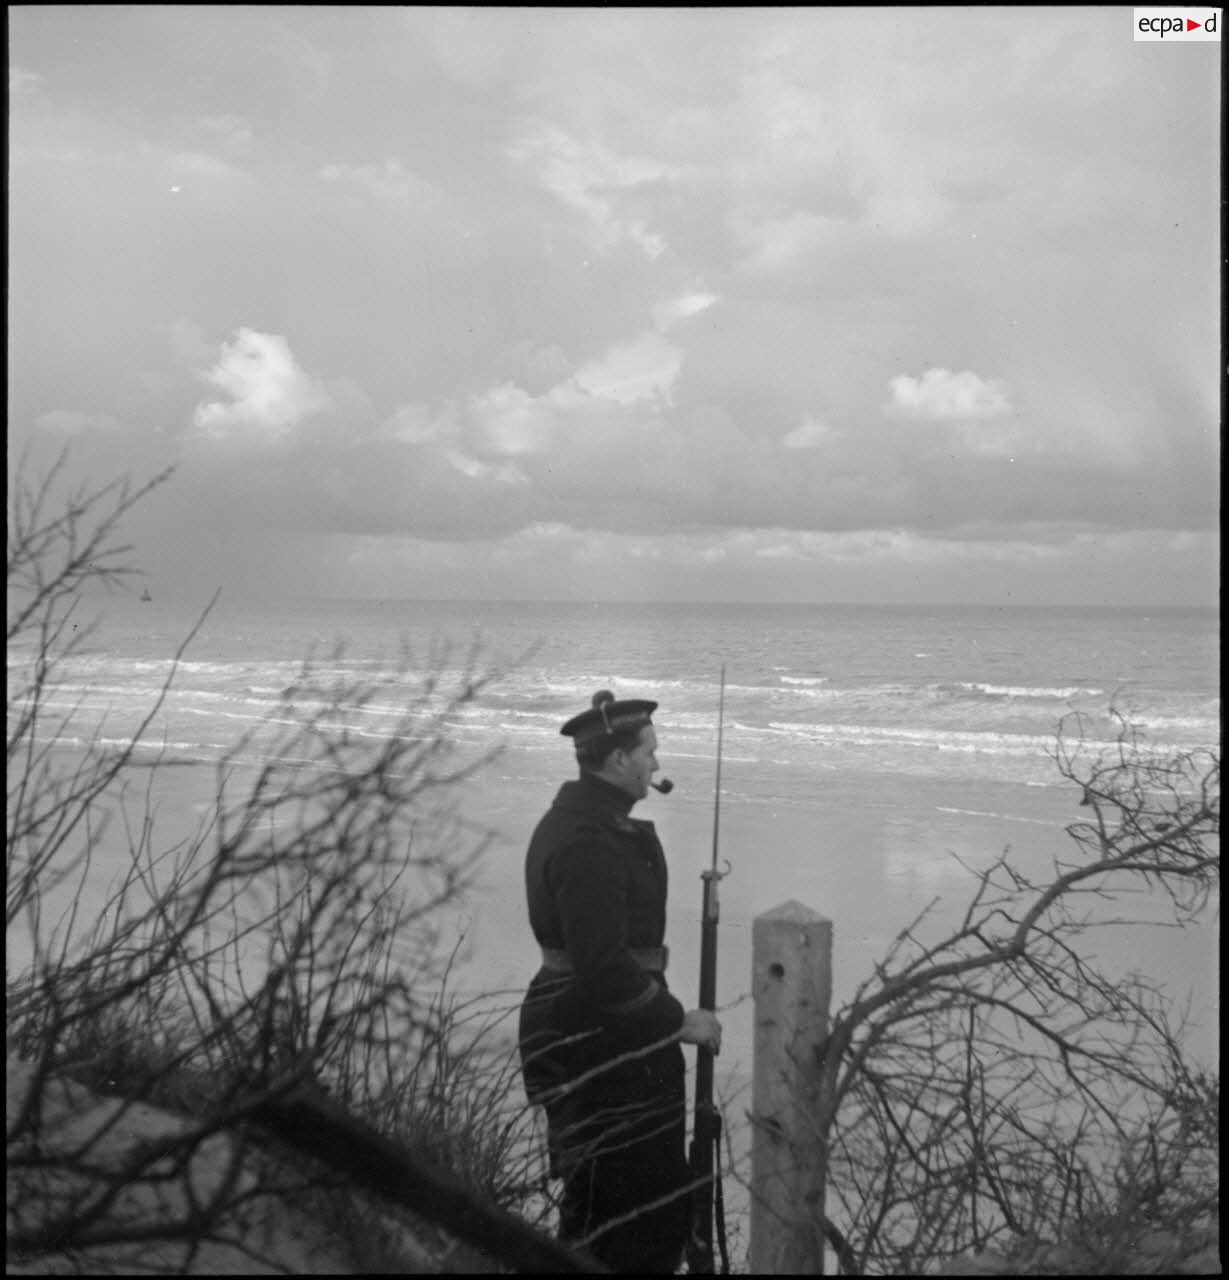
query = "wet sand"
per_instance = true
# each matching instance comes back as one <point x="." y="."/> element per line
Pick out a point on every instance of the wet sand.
<point x="867" y="853"/>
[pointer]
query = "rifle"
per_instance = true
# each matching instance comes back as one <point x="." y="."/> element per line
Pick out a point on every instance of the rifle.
<point x="705" y="1155"/>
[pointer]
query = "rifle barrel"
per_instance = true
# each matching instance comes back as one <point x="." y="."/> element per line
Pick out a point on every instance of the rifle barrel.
<point x="706" y="1128"/>
<point x="717" y="787"/>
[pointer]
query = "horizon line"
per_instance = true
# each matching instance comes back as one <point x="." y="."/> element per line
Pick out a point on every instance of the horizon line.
<point x="247" y="596"/>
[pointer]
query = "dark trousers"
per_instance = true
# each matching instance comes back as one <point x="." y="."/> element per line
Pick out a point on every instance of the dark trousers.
<point x="616" y="1119"/>
<point x="604" y="1190"/>
<point x="619" y="1144"/>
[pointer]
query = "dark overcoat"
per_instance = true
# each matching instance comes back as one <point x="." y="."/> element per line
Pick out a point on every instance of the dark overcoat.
<point x="597" y="1037"/>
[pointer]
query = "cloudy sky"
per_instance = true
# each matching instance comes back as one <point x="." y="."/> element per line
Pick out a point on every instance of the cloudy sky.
<point x="911" y="304"/>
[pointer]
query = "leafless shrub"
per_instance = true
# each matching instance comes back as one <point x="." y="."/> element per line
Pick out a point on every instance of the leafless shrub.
<point x="290" y="942"/>
<point x="998" y="1086"/>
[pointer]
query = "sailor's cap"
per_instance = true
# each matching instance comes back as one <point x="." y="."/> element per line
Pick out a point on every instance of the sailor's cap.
<point x="608" y="716"/>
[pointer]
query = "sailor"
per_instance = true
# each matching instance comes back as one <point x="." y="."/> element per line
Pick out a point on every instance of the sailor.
<point x="600" y="1033"/>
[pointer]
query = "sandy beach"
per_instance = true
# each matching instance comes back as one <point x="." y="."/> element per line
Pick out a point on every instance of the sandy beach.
<point x="867" y="856"/>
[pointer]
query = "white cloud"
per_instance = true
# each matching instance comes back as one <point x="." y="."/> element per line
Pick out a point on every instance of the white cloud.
<point x="810" y="434"/>
<point x="266" y="388"/>
<point x="666" y="314"/>
<point x="643" y="369"/>
<point x="593" y="178"/>
<point x="475" y="469"/>
<point x="941" y="395"/>
<point x="510" y="422"/>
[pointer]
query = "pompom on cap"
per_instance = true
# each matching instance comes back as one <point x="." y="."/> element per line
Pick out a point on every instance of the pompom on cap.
<point x="608" y="715"/>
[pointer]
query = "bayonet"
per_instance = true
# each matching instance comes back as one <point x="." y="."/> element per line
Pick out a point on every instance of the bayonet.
<point x="706" y="1126"/>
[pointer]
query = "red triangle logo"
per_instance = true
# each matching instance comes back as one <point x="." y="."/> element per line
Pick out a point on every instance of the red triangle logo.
<point x="1191" y="24"/>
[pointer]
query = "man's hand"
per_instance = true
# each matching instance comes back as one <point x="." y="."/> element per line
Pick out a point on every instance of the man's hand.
<point x="701" y="1027"/>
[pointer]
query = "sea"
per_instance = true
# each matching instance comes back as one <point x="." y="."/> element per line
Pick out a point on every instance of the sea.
<point x="872" y="759"/>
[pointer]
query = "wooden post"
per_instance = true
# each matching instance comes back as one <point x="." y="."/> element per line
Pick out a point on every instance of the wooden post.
<point x="791" y="977"/>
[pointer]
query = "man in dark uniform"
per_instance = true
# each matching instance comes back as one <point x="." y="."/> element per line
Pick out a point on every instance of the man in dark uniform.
<point x="600" y="1033"/>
